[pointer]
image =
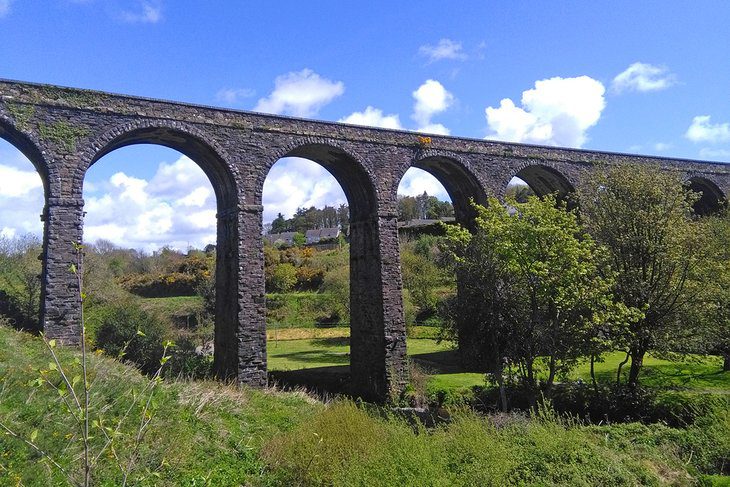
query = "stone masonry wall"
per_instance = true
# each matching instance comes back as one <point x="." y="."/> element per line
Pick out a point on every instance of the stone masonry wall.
<point x="63" y="131"/>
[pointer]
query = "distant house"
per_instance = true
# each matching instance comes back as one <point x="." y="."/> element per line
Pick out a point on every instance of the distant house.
<point x="284" y="238"/>
<point x="322" y="234"/>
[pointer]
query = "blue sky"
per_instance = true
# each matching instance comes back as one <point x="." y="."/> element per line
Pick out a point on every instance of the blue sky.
<point x="644" y="77"/>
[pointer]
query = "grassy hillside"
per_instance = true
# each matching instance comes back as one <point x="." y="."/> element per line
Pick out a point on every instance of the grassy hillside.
<point x="202" y="433"/>
<point x="206" y="433"/>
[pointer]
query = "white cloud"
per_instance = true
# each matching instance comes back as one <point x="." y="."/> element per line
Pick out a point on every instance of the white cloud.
<point x="558" y="111"/>
<point x="173" y="208"/>
<point x="149" y="12"/>
<point x="415" y="181"/>
<point x="445" y="49"/>
<point x="299" y="183"/>
<point x="300" y="94"/>
<point x="643" y="77"/>
<point x="373" y="117"/>
<point x="197" y="197"/>
<point x="21" y="193"/>
<point x="16" y="182"/>
<point x="662" y="146"/>
<point x="431" y="98"/>
<point x="233" y="96"/>
<point x="715" y="154"/>
<point x="4" y="7"/>
<point x="702" y="130"/>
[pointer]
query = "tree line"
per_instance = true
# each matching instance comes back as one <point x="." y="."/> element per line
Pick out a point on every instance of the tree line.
<point x="422" y="206"/>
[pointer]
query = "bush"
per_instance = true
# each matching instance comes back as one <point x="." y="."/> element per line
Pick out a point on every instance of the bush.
<point x="162" y="285"/>
<point x="344" y="445"/>
<point x="282" y="278"/>
<point x="337" y="284"/>
<point x="127" y="325"/>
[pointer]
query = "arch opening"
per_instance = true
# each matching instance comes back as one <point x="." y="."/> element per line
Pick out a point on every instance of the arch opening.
<point x="316" y="200"/>
<point x="153" y="252"/>
<point x="711" y="198"/>
<point x="22" y="256"/>
<point x="428" y="281"/>
<point x="541" y="180"/>
<point x="207" y="159"/>
<point x="461" y="185"/>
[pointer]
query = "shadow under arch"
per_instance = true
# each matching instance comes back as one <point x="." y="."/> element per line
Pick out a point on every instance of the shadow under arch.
<point x="544" y="180"/>
<point x="711" y="198"/>
<point x="223" y="178"/>
<point x="460" y="183"/>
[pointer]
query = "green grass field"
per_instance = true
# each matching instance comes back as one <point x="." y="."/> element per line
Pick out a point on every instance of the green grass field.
<point x="440" y="362"/>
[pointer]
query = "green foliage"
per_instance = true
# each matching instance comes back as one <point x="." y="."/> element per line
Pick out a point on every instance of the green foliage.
<point x="710" y="284"/>
<point x="423" y="207"/>
<point x="63" y="134"/>
<point x="201" y="433"/>
<point x="345" y="445"/>
<point x="294" y="310"/>
<point x="20" y="283"/>
<point x="282" y="278"/>
<point x="337" y="284"/>
<point x="310" y="218"/>
<point x="642" y="215"/>
<point x="531" y="285"/>
<point x="129" y="333"/>
<point x="176" y="275"/>
<point x="21" y="113"/>
<point x="427" y="280"/>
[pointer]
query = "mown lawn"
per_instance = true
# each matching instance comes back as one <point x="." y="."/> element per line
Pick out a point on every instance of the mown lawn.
<point x="288" y="350"/>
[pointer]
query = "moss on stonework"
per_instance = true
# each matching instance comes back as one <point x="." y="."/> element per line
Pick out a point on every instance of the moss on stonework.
<point x="21" y="113"/>
<point x="63" y="134"/>
<point x="79" y="99"/>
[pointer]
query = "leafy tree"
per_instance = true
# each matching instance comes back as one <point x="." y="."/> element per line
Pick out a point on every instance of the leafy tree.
<point x="531" y="286"/>
<point x="423" y="207"/>
<point x="707" y="323"/>
<point x="518" y="193"/>
<point x="282" y="278"/>
<point x="20" y="283"/>
<point x="643" y="216"/>
<point x="279" y="224"/>
<point x="424" y="274"/>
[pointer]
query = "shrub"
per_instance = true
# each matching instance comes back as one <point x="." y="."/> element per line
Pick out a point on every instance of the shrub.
<point x="337" y="283"/>
<point x="344" y="445"/>
<point x="162" y="285"/>
<point x="309" y="278"/>
<point x="127" y="325"/>
<point x="282" y="278"/>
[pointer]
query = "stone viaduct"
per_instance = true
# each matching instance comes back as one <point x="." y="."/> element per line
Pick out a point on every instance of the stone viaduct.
<point x="63" y="131"/>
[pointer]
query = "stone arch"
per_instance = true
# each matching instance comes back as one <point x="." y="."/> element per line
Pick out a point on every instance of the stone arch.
<point x="195" y="144"/>
<point x="356" y="180"/>
<point x="460" y="182"/>
<point x="377" y="328"/>
<point x="29" y="146"/>
<point x="711" y="196"/>
<point x="543" y="177"/>
<point x="201" y="148"/>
